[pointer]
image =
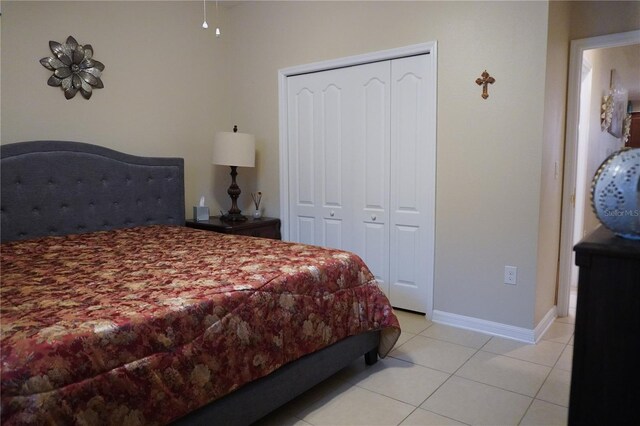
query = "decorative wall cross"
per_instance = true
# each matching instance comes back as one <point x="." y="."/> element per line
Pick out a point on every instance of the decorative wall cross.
<point x="486" y="79"/>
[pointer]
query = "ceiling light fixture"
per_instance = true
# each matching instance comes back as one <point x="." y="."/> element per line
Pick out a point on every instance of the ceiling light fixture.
<point x="217" y="20"/>
<point x="204" y="11"/>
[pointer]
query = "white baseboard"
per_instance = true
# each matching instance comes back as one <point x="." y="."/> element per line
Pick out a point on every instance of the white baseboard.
<point x="520" y="334"/>
<point x="545" y="323"/>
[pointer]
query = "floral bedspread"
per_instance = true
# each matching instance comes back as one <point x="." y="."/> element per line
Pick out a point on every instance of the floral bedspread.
<point x="143" y="325"/>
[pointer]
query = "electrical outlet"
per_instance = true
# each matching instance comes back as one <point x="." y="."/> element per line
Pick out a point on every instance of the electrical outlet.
<point x="510" y="275"/>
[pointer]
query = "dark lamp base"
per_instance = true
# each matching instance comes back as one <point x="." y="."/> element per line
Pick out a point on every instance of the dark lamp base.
<point x="234" y="192"/>
<point x="233" y="217"/>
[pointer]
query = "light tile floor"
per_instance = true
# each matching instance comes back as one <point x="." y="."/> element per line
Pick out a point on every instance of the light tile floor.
<point x="441" y="375"/>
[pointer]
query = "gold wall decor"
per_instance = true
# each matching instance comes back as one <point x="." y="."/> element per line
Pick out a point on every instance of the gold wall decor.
<point x="484" y="81"/>
<point x="626" y="129"/>
<point x="606" y="113"/>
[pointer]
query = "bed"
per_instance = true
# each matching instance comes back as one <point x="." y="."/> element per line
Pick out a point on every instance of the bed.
<point x="113" y="312"/>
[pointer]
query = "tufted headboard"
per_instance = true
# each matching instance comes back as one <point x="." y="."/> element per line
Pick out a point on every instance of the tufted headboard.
<point x="59" y="188"/>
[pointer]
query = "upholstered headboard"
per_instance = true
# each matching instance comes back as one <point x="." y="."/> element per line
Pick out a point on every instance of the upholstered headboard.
<point x="59" y="188"/>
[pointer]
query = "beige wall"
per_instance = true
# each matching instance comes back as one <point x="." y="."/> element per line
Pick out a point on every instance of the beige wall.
<point x="596" y="18"/>
<point x="163" y="90"/>
<point x="489" y="151"/>
<point x="552" y="157"/>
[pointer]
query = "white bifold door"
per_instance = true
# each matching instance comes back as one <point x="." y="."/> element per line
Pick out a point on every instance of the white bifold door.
<point x="361" y="158"/>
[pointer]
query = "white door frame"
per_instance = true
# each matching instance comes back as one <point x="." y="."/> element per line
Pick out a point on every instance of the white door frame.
<point x="571" y="149"/>
<point x="412" y="50"/>
<point x="582" y="151"/>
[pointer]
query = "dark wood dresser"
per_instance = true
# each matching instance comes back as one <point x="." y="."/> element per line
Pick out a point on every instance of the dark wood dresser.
<point x="634" y="131"/>
<point x="266" y="227"/>
<point x="606" y="352"/>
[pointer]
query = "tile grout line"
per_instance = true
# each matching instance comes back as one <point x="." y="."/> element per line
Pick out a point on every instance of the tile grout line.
<point x="525" y="411"/>
<point x="418" y="407"/>
<point x="526" y="360"/>
<point x="545" y="381"/>
<point x="408" y="415"/>
<point x="547" y="378"/>
<point x="449" y="378"/>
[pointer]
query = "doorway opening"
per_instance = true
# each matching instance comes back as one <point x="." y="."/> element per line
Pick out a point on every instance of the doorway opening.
<point x="576" y="216"/>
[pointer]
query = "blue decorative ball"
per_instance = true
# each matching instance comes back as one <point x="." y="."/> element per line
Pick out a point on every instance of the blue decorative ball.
<point x="615" y="193"/>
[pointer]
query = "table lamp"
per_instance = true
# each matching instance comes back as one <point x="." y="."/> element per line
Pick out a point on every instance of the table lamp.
<point x="235" y="150"/>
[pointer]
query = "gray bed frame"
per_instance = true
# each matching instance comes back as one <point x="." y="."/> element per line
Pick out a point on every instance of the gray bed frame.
<point x="60" y="188"/>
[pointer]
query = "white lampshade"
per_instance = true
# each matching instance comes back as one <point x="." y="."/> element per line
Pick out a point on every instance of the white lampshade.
<point x="234" y="149"/>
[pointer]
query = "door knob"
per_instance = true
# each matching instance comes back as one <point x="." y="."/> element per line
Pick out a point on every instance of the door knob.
<point x="332" y="214"/>
<point x="373" y="217"/>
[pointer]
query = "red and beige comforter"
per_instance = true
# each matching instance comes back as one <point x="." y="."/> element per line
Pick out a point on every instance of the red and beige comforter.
<point x="142" y="325"/>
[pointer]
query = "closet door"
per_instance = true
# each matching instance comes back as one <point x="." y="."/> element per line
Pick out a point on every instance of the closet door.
<point x="370" y="161"/>
<point x="412" y="194"/>
<point x="318" y="135"/>
<point x="361" y="146"/>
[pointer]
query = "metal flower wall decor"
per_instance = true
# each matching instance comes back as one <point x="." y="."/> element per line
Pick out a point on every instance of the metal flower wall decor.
<point x="74" y="68"/>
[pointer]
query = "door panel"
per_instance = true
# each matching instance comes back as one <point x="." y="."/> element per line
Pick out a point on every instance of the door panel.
<point x="410" y="196"/>
<point x="316" y="135"/>
<point x="302" y="164"/>
<point x="370" y="163"/>
<point x="332" y="233"/>
<point x="331" y="146"/>
<point x="406" y="138"/>
<point x="376" y="252"/>
<point x="305" y="229"/>
<point x="405" y="250"/>
<point x="332" y="152"/>
<point x="304" y="135"/>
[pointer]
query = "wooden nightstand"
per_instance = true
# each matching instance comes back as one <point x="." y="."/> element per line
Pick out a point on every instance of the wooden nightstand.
<point x="266" y="227"/>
